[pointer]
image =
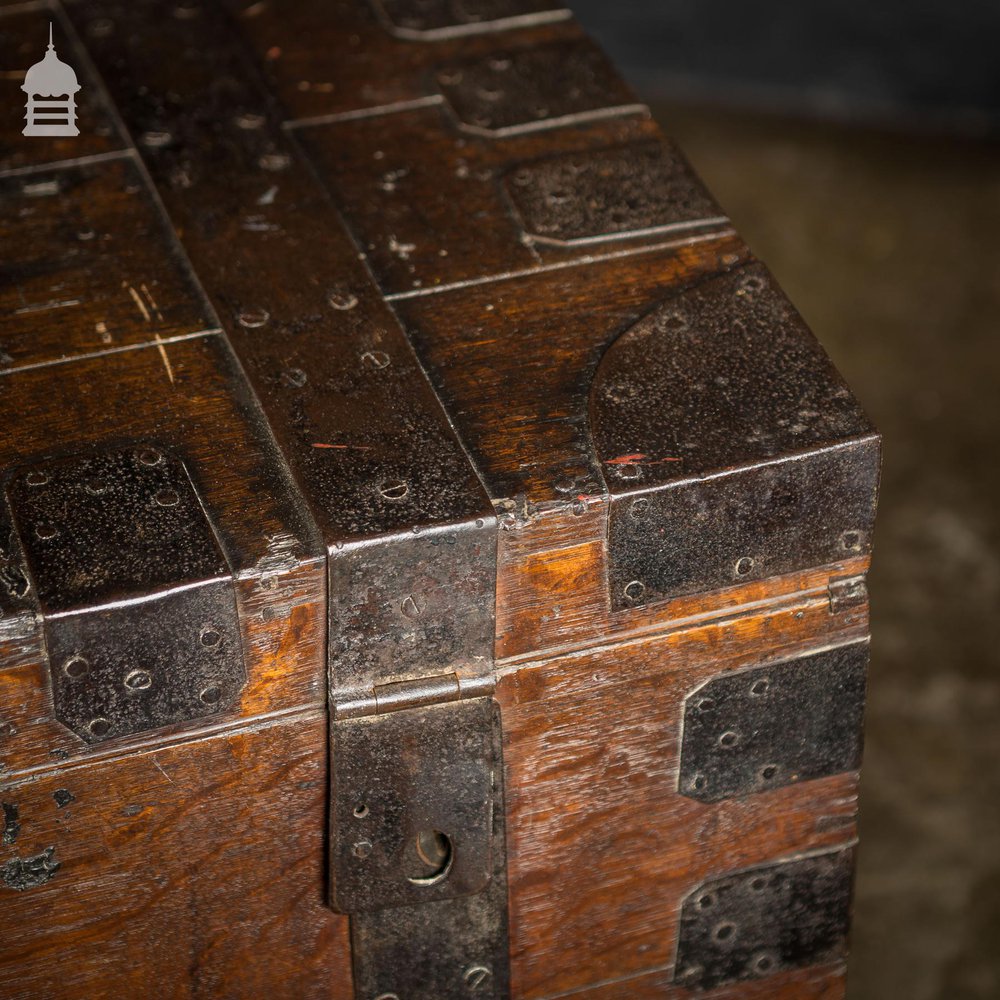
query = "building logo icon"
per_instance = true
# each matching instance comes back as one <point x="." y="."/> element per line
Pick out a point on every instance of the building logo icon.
<point x="51" y="87"/>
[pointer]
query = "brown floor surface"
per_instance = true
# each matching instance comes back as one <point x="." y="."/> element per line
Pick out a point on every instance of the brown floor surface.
<point x="890" y="247"/>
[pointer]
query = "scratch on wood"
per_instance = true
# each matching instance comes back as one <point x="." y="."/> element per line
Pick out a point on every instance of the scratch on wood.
<point x="137" y="299"/>
<point x="156" y="764"/>
<point x="152" y="302"/>
<point x="45" y="306"/>
<point x="166" y="361"/>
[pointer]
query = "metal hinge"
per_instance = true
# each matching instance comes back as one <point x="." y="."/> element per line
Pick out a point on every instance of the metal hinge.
<point x="417" y="849"/>
<point x="136" y="596"/>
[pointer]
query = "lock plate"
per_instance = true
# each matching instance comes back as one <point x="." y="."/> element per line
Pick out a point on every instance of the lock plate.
<point x="136" y="596"/>
<point x="402" y="780"/>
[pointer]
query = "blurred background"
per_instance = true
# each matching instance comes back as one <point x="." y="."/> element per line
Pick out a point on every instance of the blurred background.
<point x="857" y="148"/>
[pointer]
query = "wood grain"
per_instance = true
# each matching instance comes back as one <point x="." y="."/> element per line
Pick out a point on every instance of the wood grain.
<point x="192" y="870"/>
<point x="89" y="266"/>
<point x="294" y="42"/>
<point x="426" y="200"/>
<point x="601" y="847"/>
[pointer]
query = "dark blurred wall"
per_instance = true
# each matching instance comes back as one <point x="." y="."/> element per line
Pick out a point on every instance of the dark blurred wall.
<point x="909" y="63"/>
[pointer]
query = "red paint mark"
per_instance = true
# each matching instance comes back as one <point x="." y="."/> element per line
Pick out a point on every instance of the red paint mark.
<point x="352" y="447"/>
<point x="639" y="459"/>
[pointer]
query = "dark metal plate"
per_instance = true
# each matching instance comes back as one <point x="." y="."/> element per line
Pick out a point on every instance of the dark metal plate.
<point x="534" y="88"/>
<point x="452" y="949"/>
<point x="109" y="526"/>
<point x="637" y="190"/>
<point x="428" y="19"/>
<point x="732" y="448"/>
<point x="779" y="724"/>
<point x="413" y="605"/>
<point x="396" y="780"/>
<point x="766" y="920"/>
<point x="138" y="604"/>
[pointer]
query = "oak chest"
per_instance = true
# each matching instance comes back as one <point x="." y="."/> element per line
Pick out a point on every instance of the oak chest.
<point x="432" y="548"/>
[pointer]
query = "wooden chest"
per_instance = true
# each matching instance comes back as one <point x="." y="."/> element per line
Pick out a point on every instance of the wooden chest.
<point x="432" y="548"/>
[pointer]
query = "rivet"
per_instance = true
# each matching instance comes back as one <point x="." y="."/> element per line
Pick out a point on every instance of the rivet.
<point x="253" y="318"/>
<point x="411" y="607"/>
<point x="138" y="680"/>
<point x="743" y="566"/>
<point x="210" y="637"/>
<point x="211" y="695"/>
<point x="628" y="471"/>
<point x="361" y="811"/>
<point x="851" y="541"/>
<point x="564" y="485"/>
<point x="167" y="498"/>
<point x="156" y="140"/>
<point x="476" y="976"/>
<point x="377" y="359"/>
<point x="639" y="507"/>
<point x="342" y="301"/>
<point x="762" y="963"/>
<point x="249" y="121"/>
<point x="635" y="590"/>
<point x="46" y="531"/>
<point x="36" y="478"/>
<point x="729" y="739"/>
<point x="724" y="932"/>
<point x="362" y="849"/>
<point x="274" y="161"/>
<point x="76" y="667"/>
<point x="394" y="489"/>
<point x="95" y="487"/>
<point x="150" y="456"/>
<point x="295" y="377"/>
<point x="759" y="687"/>
<point x="768" y="771"/>
<point x="99" y="727"/>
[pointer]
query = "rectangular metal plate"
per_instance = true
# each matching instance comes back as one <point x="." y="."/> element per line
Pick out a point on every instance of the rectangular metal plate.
<point x="753" y="730"/>
<point x="399" y="779"/>
<point x="111" y="525"/>
<point x="412" y="605"/>
<point x="137" y="599"/>
<point x="517" y="91"/>
<point x="766" y="920"/>
<point x="703" y="534"/>
<point x="453" y="949"/>
<point x="636" y="190"/>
